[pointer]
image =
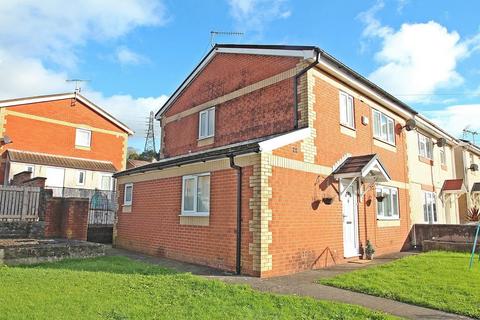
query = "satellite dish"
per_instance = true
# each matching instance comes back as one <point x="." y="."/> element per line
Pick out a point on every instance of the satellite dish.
<point x="441" y="142"/>
<point x="411" y="124"/>
<point x="6" y="139"/>
<point x="474" y="167"/>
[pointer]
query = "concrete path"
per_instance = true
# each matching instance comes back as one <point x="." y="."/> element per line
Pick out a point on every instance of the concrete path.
<point x="303" y="284"/>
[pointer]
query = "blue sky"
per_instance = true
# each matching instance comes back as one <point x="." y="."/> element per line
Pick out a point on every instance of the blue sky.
<point x="137" y="52"/>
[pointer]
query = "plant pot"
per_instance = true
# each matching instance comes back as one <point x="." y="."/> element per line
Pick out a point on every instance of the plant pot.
<point x="380" y="198"/>
<point x="328" y="201"/>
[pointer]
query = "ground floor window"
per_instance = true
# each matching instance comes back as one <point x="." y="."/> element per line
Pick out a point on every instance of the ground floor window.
<point x="196" y="194"/>
<point x="387" y="208"/>
<point x="429" y="207"/>
<point x="128" y="194"/>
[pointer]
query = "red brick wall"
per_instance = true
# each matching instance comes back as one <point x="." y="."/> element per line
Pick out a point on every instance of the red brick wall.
<point x="66" y="218"/>
<point x="40" y="136"/>
<point x="153" y="226"/>
<point x="260" y="113"/>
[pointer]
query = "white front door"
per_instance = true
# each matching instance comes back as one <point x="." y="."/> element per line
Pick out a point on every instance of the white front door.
<point x="55" y="177"/>
<point x="350" y="220"/>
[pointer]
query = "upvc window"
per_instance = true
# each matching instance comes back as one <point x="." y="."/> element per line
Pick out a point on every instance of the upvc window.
<point x="196" y="194"/>
<point x="429" y="207"/>
<point x="425" y="146"/>
<point x="206" y="125"/>
<point x="81" y="178"/>
<point x="83" y="138"/>
<point x="128" y="194"/>
<point x="388" y="208"/>
<point x="443" y="157"/>
<point x="383" y="127"/>
<point x="347" y="113"/>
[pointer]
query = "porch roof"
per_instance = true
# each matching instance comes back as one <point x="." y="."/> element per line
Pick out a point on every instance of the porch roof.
<point x="453" y="186"/>
<point x="476" y="187"/>
<point x="59" y="161"/>
<point x="367" y="167"/>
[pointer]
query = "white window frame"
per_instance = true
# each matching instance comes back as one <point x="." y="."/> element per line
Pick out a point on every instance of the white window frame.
<point x="393" y="203"/>
<point x="125" y="201"/>
<point x="84" y="177"/>
<point x="430" y="202"/>
<point x="210" y="120"/>
<point x="427" y="146"/>
<point x="387" y="136"/>
<point x="79" y="143"/>
<point x="194" y="212"/>
<point x="349" y="113"/>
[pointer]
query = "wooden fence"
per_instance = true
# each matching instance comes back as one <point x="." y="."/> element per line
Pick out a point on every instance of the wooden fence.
<point x="20" y="203"/>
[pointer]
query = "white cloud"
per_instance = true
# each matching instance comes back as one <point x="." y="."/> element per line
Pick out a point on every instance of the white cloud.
<point x="417" y="59"/>
<point x="40" y="41"/>
<point x="125" y="56"/>
<point x="54" y="29"/>
<point x="253" y="15"/>
<point x="457" y="117"/>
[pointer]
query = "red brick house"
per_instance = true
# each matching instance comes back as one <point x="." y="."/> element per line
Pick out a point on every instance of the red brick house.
<point x="274" y="160"/>
<point x="63" y="137"/>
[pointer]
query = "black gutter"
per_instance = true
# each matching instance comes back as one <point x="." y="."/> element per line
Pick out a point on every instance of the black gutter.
<point x="295" y="87"/>
<point x="238" y="262"/>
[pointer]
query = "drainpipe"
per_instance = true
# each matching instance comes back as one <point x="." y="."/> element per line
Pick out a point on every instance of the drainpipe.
<point x="295" y="87"/>
<point x="238" y="267"/>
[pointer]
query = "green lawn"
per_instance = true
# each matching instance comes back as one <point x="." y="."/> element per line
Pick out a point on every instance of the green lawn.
<point x="439" y="280"/>
<point x="120" y="288"/>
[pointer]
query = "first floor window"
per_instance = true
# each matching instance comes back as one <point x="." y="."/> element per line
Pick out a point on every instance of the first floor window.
<point x="80" y="178"/>
<point x="196" y="194"/>
<point x="429" y="207"/>
<point x="383" y="127"/>
<point x="425" y="146"/>
<point x="347" y="115"/>
<point x="128" y="194"/>
<point x="206" y="126"/>
<point x="388" y="207"/>
<point x="83" y="138"/>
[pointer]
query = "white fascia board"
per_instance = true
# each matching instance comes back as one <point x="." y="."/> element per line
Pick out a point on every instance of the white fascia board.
<point x="283" y="140"/>
<point x="306" y="54"/>
<point x="19" y="102"/>
<point x="332" y="69"/>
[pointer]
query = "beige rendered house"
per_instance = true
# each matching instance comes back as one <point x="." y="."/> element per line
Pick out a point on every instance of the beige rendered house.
<point x="467" y="159"/>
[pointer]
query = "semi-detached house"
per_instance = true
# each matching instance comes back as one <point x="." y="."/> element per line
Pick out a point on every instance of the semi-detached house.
<point x="278" y="159"/>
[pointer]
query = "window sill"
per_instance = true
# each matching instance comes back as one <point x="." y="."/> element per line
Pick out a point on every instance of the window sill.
<point x="385" y="223"/>
<point x="349" y="131"/>
<point x="193" y="214"/>
<point x="126" y="208"/>
<point x="385" y="145"/>
<point x="425" y="160"/>
<point x="83" y="148"/>
<point x="205" y="141"/>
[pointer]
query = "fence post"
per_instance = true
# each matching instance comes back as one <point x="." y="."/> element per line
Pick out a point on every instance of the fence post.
<point x="24" y="201"/>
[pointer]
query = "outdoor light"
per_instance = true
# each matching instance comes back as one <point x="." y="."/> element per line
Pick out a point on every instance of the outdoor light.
<point x="473" y="167"/>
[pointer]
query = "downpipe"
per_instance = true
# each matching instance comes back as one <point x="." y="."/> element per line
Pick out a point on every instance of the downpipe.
<point x="238" y="267"/>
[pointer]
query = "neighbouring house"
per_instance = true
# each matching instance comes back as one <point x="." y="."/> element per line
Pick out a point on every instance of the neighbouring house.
<point x="433" y="185"/>
<point x="63" y="137"/>
<point x="133" y="163"/>
<point x="467" y="159"/>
